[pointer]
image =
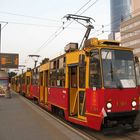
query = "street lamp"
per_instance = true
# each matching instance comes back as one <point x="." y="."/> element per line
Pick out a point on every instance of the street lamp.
<point x="35" y="58"/>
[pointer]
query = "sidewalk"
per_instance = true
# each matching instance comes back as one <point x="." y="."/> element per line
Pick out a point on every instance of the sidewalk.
<point x="20" y="121"/>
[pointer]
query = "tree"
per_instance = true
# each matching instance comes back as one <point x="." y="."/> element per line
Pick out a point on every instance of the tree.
<point x="11" y="74"/>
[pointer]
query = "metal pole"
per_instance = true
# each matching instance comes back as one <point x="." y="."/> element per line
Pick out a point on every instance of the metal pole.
<point x="0" y="38"/>
<point x="35" y="63"/>
<point x="0" y="43"/>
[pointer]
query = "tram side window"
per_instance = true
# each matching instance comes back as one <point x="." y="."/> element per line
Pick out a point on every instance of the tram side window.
<point x="57" y="64"/>
<point x="61" y="77"/>
<point x="54" y="64"/>
<point x="57" y="78"/>
<point x="17" y="82"/>
<point x="46" y="78"/>
<point x="35" y="79"/>
<point x="23" y="80"/>
<point x="28" y="80"/>
<point x="82" y="77"/>
<point x="41" y="78"/>
<point x="74" y="77"/>
<point x="53" y="77"/>
<point x="95" y="76"/>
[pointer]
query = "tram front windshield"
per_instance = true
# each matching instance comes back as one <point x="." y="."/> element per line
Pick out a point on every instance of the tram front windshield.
<point x="3" y="83"/>
<point x="118" y="69"/>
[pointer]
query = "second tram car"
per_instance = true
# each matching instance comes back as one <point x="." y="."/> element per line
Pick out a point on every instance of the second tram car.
<point x="34" y="88"/>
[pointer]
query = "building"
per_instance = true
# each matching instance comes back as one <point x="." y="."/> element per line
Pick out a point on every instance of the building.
<point x="130" y="29"/>
<point x="135" y="7"/>
<point x="119" y="10"/>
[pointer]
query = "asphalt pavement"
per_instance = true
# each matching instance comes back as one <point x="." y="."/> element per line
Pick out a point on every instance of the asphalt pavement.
<point x="19" y="120"/>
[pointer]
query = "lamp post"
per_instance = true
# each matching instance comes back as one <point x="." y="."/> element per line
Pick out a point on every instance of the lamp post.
<point x="22" y="68"/>
<point x="0" y="31"/>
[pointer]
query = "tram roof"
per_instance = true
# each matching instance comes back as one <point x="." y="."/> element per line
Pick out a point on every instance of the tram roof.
<point x="112" y="44"/>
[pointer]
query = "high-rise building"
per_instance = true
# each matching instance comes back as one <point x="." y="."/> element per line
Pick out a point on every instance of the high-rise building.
<point x="120" y="10"/>
<point x="130" y="29"/>
<point x="135" y="7"/>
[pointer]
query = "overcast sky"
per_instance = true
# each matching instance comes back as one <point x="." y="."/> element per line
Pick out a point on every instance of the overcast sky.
<point x="34" y="25"/>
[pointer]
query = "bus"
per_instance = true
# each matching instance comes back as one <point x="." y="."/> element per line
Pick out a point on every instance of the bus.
<point x="4" y="82"/>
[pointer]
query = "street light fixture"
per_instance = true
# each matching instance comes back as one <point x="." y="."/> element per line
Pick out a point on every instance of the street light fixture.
<point x="35" y="58"/>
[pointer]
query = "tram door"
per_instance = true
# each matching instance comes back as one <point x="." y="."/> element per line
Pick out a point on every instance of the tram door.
<point x="28" y="83"/>
<point x="41" y="87"/>
<point x="46" y="86"/>
<point x="77" y="91"/>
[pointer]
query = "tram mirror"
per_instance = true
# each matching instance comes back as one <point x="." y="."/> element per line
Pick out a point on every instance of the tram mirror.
<point x="94" y="53"/>
<point x="136" y="59"/>
<point x="82" y="59"/>
<point x="87" y="53"/>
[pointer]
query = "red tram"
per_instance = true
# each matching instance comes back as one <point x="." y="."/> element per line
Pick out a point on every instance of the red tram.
<point x="137" y="67"/>
<point x="94" y="87"/>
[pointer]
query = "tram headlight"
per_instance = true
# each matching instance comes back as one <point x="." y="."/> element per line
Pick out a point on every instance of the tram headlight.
<point x="134" y="103"/>
<point x="109" y="105"/>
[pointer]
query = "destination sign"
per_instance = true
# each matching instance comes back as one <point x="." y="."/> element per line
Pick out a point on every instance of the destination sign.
<point x="9" y="60"/>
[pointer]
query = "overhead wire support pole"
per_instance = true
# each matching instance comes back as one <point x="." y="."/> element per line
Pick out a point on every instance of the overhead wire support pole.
<point x="1" y="30"/>
<point x="89" y="26"/>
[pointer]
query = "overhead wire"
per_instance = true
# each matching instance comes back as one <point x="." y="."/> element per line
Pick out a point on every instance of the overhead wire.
<point x="28" y="16"/>
<point x="37" y="25"/>
<point x="89" y="6"/>
<point x="114" y="22"/>
<point x="55" y="34"/>
<point x="32" y="24"/>
<point x="60" y="30"/>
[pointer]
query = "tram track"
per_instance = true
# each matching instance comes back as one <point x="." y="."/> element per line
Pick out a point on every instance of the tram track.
<point x="86" y="133"/>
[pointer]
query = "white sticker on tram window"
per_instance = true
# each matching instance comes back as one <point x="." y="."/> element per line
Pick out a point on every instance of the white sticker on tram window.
<point x="58" y="82"/>
<point x="94" y="88"/>
<point x="127" y="83"/>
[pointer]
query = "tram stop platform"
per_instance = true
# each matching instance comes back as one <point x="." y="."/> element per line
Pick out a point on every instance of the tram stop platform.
<point x="22" y="120"/>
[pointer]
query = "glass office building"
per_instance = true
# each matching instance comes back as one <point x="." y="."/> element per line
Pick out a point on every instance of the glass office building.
<point x="120" y="10"/>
